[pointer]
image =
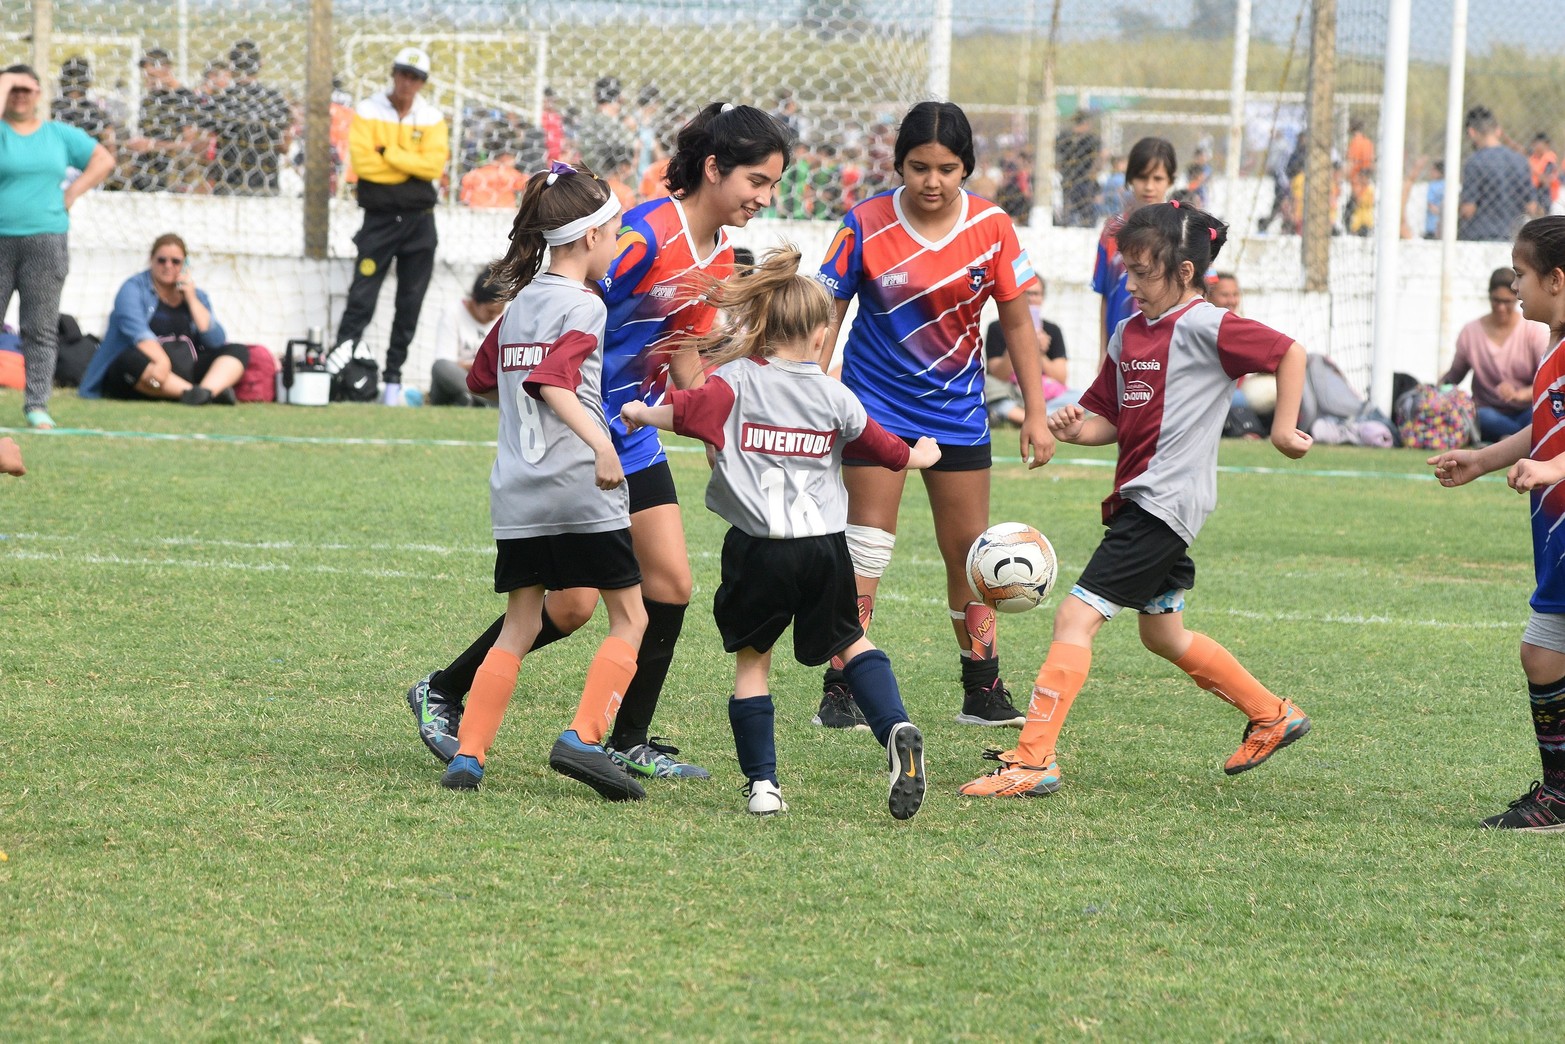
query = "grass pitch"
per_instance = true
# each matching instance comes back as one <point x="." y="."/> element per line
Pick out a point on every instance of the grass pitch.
<point x="218" y="823"/>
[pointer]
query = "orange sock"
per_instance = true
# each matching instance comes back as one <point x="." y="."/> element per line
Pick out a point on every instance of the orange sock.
<point x="610" y="671"/>
<point x="486" y="703"/>
<point x="1215" y="670"/>
<point x="1059" y="680"/>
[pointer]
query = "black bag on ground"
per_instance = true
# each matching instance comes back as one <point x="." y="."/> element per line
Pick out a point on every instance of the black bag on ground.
<point x="1243" y="423"/>
<point x="74" y="350"/>
<point x="357" y="381"/>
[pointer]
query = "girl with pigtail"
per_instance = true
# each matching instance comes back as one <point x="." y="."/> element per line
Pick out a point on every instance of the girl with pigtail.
<point x="726" y="164"/>
<point x="556" y="493"/>
<point x="1162" y="394"/>
<point x="781" y="428"/>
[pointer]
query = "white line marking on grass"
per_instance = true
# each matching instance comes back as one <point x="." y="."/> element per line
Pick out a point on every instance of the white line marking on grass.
<point x="344" y="440"/>
<point x="246" y="567"/>
<point x="258" y="545"/>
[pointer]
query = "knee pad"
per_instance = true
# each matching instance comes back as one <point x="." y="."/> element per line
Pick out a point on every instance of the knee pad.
<point x="870" y="549"/>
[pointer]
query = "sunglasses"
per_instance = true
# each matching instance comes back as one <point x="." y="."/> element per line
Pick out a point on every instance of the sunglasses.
<point x="175" y="261"/>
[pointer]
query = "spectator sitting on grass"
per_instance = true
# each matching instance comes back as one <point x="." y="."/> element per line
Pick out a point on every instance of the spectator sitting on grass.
<point x="1004" y="398"/>
<point x="458" y="335"/>
<point x="163" y="342"/>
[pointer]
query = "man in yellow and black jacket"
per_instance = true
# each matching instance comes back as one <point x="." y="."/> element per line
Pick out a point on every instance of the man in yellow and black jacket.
<point x="399" y="145"/>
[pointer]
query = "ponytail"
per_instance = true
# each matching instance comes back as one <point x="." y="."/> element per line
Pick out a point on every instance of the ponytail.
<point x="773" y="304"/>
<point x="553" y="198"/>
<point x="1169" y="234"/>
<point x="733" y="135"/>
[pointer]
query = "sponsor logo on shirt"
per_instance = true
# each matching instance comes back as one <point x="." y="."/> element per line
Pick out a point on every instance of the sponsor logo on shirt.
<point x="975" y="277"/>
<point x="1127" y="365"/>
<point x="522" y="356"/>
<point x="894" y="279"/>
<point x="664" y="292"/>
<point x="1137" y="393"/>
<point x="827" y="281"/>
<point x="786" y="442"/>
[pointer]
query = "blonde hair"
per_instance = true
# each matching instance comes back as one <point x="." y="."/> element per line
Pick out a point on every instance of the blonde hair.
<point x="764" y="305"/>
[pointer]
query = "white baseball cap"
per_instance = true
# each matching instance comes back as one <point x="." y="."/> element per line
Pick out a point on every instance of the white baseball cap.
<point x="413" y="60"/>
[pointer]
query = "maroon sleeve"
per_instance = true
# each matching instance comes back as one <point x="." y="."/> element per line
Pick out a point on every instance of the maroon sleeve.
<point x="485" y="373"/>
<point x="561" y="366"/>
<point x="1103" y="397"/>
<point x="878" y="446"/>
<point x="1246" y="346"/>
<point x="702" y="412"/>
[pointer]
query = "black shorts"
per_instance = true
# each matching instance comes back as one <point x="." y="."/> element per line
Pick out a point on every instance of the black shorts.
<point x="1139" y="560"/>
<point x="651" y="487"/>
<point x="769" y="583"/>
<point x="952" y="457"/>
<point x="119" y="380"/>
<point x="605" y="561"/>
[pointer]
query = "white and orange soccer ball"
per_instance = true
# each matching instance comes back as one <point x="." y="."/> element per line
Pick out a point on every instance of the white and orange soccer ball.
<point x="1011" y="567"/>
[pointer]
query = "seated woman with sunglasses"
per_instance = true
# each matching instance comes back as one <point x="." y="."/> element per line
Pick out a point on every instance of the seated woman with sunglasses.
<point x="163" y="341"/>
<point x="1502" y="351"/>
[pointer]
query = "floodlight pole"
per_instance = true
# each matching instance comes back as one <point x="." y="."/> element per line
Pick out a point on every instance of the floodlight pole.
<point x="1455" y="103"/>
<point x="1388" y="200"/>
<point x="1236" y="102"/>
<point x="940" y="51"/>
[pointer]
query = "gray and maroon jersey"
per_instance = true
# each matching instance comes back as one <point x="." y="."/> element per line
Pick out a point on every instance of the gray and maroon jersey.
<point x="544" y="477"/>
<point x="781" y="429"/>
<point x="1166" y="385"/>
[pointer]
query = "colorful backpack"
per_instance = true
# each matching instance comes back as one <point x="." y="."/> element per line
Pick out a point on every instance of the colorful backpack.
<point x="1430" y="418"/>
<point x="259" y="383"/>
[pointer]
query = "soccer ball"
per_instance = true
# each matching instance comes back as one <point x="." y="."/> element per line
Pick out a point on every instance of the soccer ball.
<point x="1011" y="567"/>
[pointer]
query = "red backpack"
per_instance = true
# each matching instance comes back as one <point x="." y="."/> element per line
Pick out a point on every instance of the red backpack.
<point x="259" y="383"/>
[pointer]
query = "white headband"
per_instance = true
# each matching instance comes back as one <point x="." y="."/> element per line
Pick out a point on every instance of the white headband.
<point x="569" y="233"/>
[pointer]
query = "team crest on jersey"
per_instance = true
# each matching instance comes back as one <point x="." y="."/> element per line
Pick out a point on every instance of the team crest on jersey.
<point x="1557" y="401"/>
<point x="975" y="277"/>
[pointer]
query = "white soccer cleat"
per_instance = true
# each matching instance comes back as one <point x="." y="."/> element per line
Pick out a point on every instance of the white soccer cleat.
<point x="766" y="798"/>
<point x="392" y="395"/>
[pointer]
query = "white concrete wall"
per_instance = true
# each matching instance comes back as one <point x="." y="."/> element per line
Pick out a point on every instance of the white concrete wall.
<point x="247" y="254"/>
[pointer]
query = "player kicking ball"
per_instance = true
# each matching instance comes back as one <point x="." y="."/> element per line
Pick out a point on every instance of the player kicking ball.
<point x="1162" y="395"/>
<point x="781" y="427"/>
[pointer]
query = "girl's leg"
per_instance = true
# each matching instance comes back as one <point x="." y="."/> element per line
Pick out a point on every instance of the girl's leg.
<point x="658" y="535"/>
<point x="874" y="497"/>
<point x="1546" y="687"/>
<point x="496" y="678"/>
<point x="1030" y="769"/>
<point x="959" y="501"/>
<point x="579" y="753"/>
<point x="562" y="613"/>
<point x="752" y="717"/>
<point x="868" y="671"/>
<point x="1273" y="723"/>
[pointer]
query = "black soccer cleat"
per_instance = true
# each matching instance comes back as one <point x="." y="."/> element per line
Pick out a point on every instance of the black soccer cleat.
<point x="590" y="764"/>
<point x="905" y="758"/>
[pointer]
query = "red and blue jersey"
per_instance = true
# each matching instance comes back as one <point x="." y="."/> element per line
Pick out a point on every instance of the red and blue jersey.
<point x="652" y="300"/>
<point x="914" y="356"/>
<point x="1548" y="503"/>
<point x="1108" y="279"/>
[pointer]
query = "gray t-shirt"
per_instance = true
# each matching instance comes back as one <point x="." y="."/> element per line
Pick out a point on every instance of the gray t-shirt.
<point x="544" y="478"/>
<point x="780" y="429"/>
<point x="1498" y="182"/>
<point x="1166" y="385"/>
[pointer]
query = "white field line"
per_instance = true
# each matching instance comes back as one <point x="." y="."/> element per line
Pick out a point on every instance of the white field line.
<point x="23" y="555"/>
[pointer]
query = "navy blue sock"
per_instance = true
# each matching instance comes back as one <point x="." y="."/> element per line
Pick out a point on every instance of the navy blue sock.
<point x="1548" y="721"/>
<point x="752" y="721"/>
<point x="875" y="689"/>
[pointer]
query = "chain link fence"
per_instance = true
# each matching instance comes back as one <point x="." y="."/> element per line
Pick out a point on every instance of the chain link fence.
<point x="203" y="103"/>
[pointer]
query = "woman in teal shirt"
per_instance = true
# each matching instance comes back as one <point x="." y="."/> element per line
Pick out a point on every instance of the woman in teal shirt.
<point x="35" y="155"/>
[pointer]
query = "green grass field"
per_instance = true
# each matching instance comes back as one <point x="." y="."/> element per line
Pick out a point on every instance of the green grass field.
<point x="218" y="823"/>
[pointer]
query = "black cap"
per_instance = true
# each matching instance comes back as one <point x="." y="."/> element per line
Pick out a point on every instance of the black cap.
<point x="156" y="56"/>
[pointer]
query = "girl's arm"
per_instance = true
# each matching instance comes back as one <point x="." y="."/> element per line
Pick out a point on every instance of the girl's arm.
<point x="1459" y="467"/>
<point x="637" y="414"/>
<point x="1021" y="345"/>
<point x="1286" y="436"/>
<point x="1080" y="428"/>
<point x="839" y="311"/>
<point x="685" y="369"/>
<point x="569" y="409"/>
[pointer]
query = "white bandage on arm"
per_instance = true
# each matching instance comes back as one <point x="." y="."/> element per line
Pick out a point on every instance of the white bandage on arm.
<point x="870" y="549"/>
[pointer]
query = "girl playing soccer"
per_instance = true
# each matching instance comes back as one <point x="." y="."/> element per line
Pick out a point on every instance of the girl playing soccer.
<point x="1537" y="466"/>
<point x="726" y="164"/>
<point x="1149" y="172"/>
<point x="781" y="428"/>
<point x="1162" y="394"/>
<point x="922" y="260"/>
<point x="556" y="493"/>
